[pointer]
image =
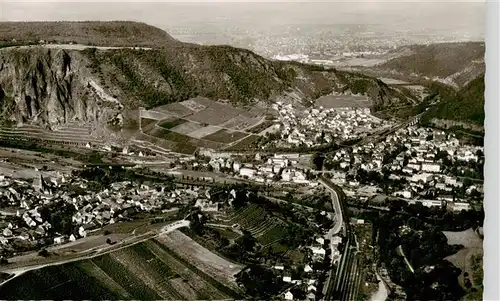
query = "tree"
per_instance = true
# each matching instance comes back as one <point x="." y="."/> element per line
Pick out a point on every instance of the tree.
<point x="44" y="253"/>
<point x="259" y="282"/>
<point x="247" y="241"/>
<point x="224" y="242"/>
<point x="317" y="160"/>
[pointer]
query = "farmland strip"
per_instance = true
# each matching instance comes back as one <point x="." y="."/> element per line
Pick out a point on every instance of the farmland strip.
<point x="127" y="280"/>
<point x="186" y="274"/>
<point x="226" y="290"/>
<point x="94" y="271"/>
<point x="78" y="285"/>
<point x="134" y="263"/>
<point x="161" y="271"/>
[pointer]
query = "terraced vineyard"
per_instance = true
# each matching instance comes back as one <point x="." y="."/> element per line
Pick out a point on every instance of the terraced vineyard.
<point x="259" y="223"/>
<point x="272" y="234"/>
<point x="145" y="271"/>
<point x="71" y="134"/>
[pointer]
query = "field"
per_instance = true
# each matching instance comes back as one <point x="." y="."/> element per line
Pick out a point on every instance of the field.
<point x="246" y="143"/>
<point x="342" y="101"/>
<point x="199" y="122"/>
<point x="175" y="109"/>
<point x="195" y="104"/>
<point x="200" y="133"/>
<point x="181" y="143"/>
<point x="147" y="123"/>
<point x="261" y="127"/>
<point x="241" y="122"/>
<point x="145" y="271"/>
<point x="214" y="115"/>
<point x="186" y="128"/>
<point x="169" y="135"/>
<point x="225" y="136"/>
<point x="154" y="114"/>
<point x="208" y="262"/>
<point x="473" y="246"/>
<point x="148" y="139"/>
<point x="169" y="124"/>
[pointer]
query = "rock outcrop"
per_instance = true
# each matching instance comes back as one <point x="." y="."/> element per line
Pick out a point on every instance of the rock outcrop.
<point x="46" y="87"/>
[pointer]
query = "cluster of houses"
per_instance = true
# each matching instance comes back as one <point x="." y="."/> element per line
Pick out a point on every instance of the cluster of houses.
<point x="278" y="168"/>
<point x="308" y="279"/>
<point x="420" y="166"/>
<point x="22" y="203"/>
<point x="317" y="126"/>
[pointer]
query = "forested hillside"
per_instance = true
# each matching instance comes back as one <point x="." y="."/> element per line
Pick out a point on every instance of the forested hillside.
<point x="115" y="33"/>
<point x="454" y="63"/>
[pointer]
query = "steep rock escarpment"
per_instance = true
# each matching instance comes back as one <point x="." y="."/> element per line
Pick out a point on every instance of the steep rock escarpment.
<point x="46" y="87"/>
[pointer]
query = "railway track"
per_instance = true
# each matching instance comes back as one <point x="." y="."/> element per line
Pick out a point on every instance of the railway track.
<point x="345" y="284"/>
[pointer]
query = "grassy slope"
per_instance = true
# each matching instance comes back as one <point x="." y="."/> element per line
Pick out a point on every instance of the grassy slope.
<point x="116" y="33"/>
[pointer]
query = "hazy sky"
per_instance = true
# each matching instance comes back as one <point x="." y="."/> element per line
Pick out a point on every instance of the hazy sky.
<point x="444" y="15"/>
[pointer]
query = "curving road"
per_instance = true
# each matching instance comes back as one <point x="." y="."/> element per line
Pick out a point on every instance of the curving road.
<point x="338" y="219"/>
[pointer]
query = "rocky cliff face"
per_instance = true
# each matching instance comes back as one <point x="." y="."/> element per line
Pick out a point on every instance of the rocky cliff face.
<point x="45" y="87"/>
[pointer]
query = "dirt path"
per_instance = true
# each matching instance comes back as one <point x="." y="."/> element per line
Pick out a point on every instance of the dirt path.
<point x="400" y="250"/>
<point x="381" y="294"/>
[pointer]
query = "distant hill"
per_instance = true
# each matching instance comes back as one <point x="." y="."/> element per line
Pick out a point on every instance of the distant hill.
<point x="114" y="33"/>
<point x="455" y="64"/>
<point x="464" y="108"/>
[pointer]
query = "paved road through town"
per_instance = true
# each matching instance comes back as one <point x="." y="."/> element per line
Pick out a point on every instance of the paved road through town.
<point x="338" y="220"/>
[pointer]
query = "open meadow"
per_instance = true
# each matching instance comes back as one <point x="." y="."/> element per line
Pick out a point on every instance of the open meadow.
<point x="342" y="101"/>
